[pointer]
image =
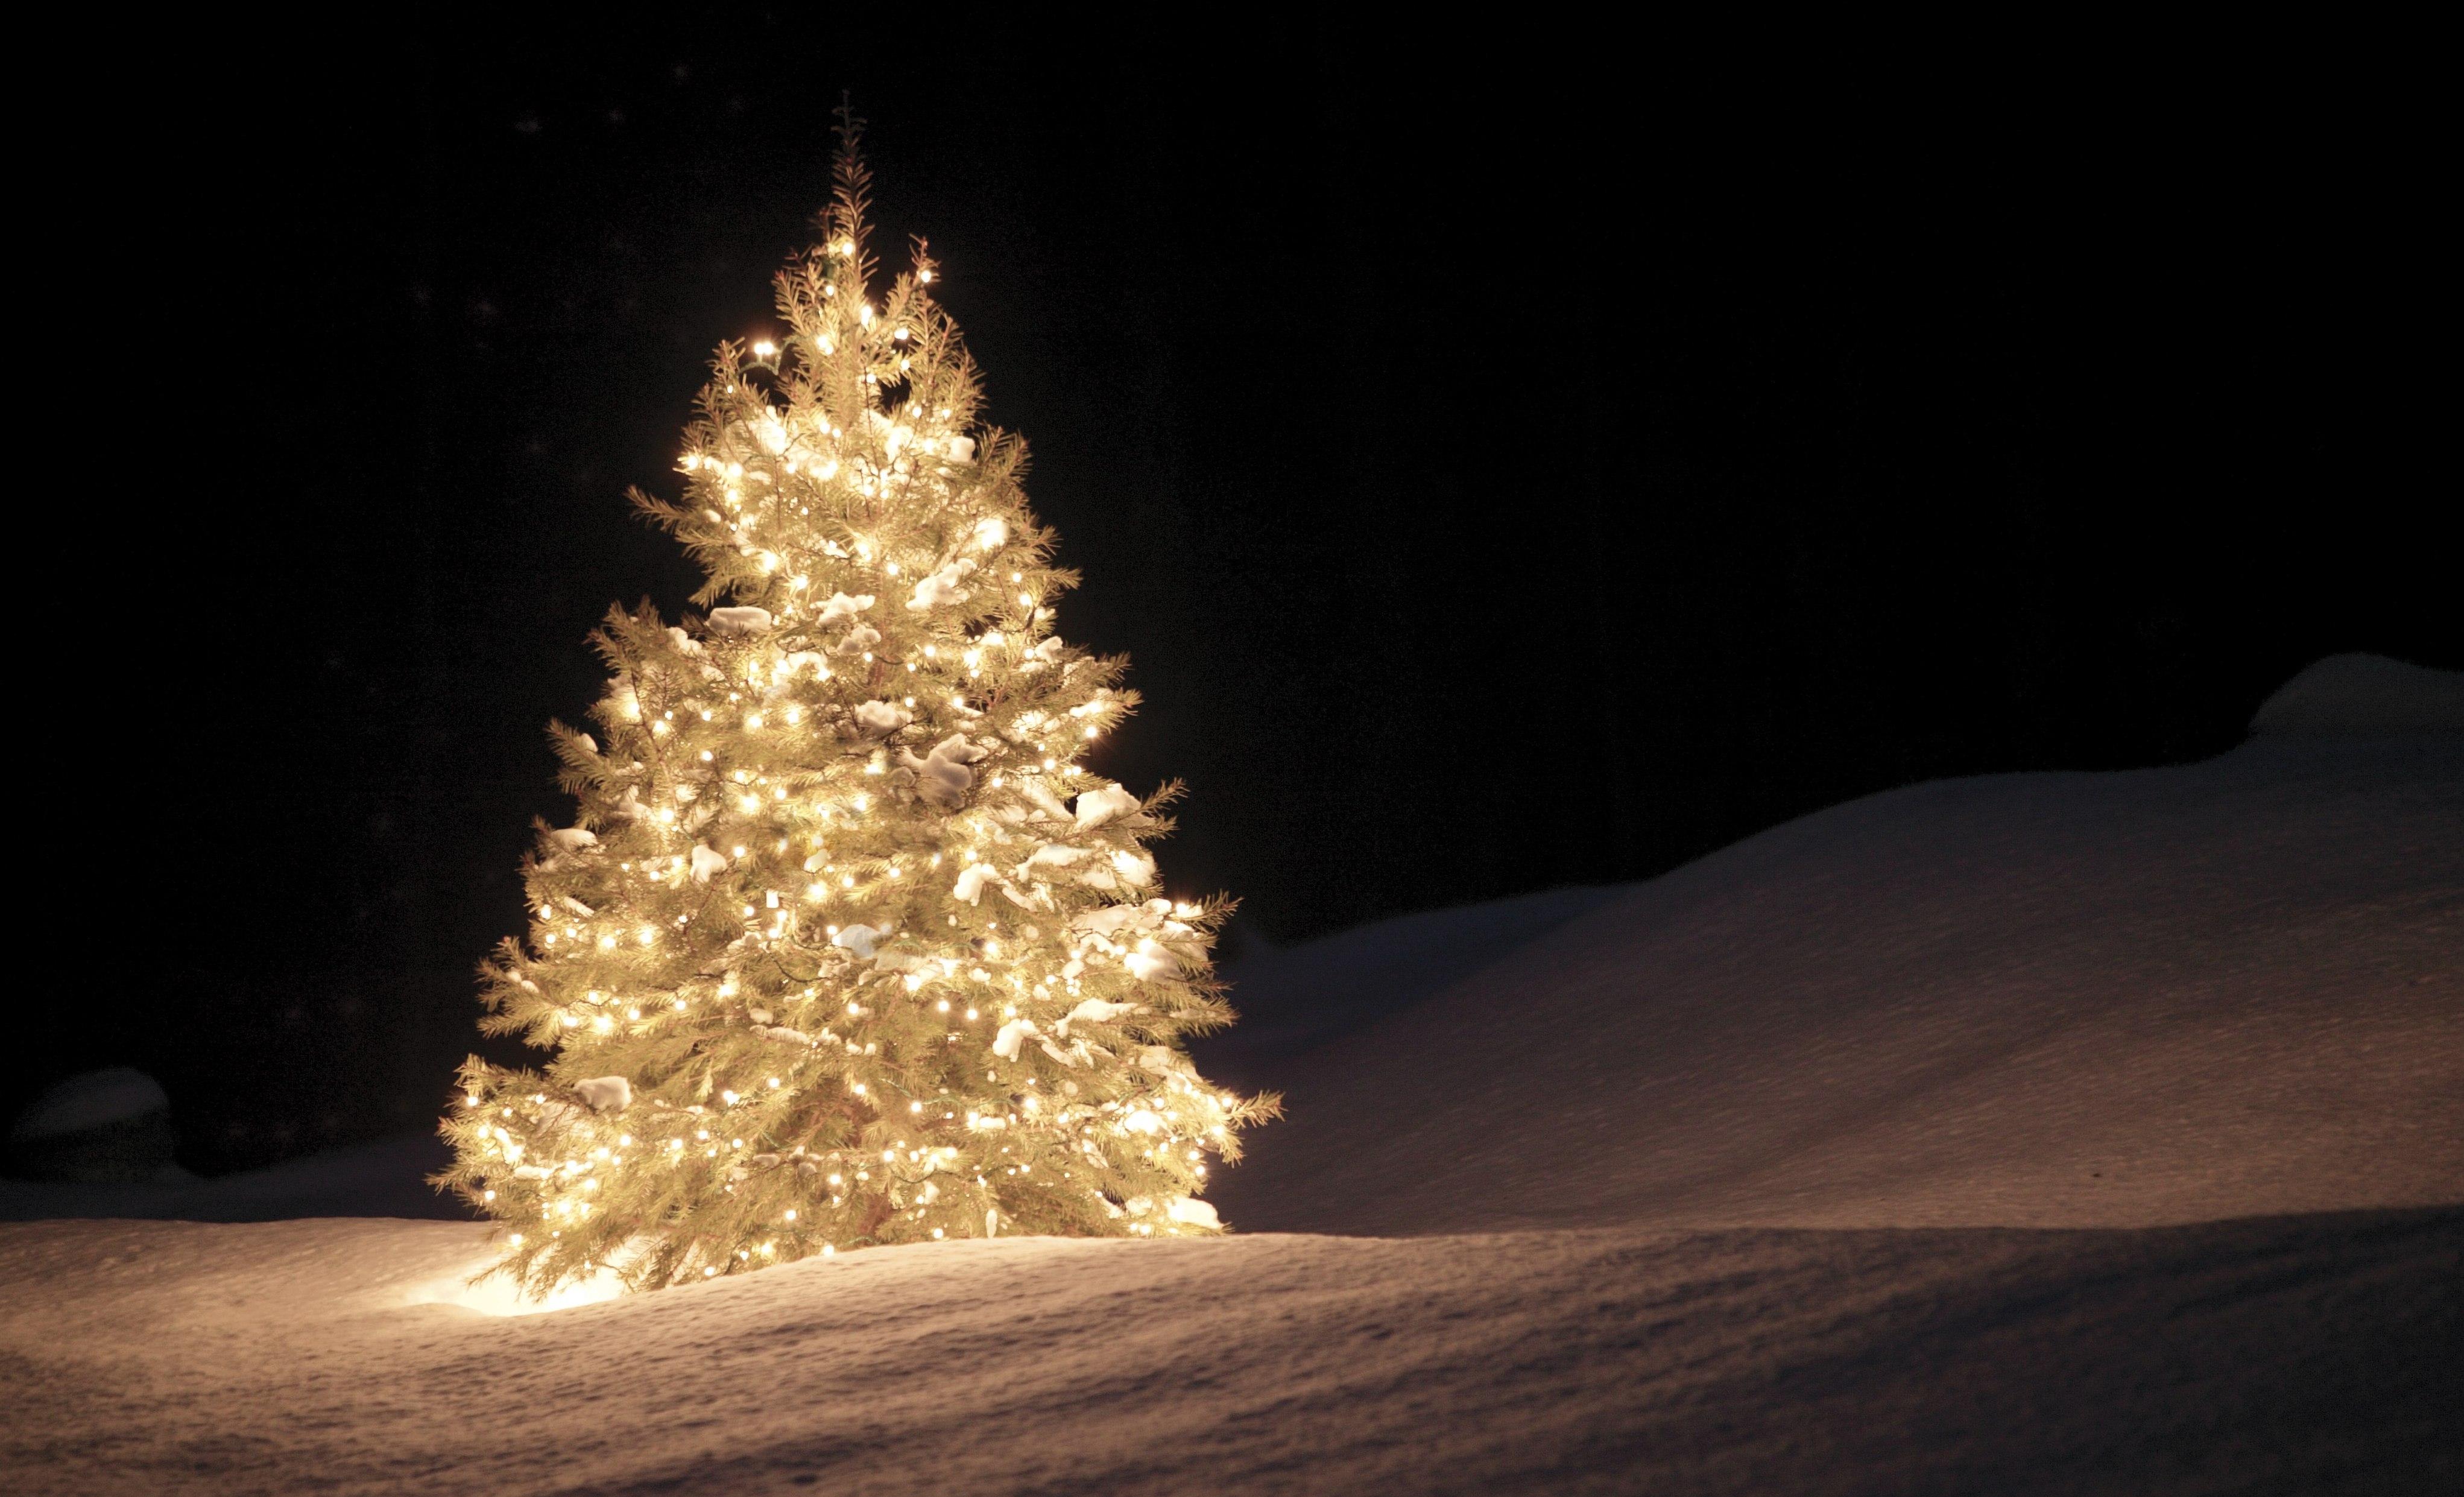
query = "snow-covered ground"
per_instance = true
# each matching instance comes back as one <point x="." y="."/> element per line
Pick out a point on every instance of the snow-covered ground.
<point x="2281" y="1354"/>
<point x="2045" y="999"/>
<point x="2025" y="1133"/>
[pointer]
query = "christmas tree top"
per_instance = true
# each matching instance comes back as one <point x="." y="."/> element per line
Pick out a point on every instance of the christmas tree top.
<point x="846" y="947"/>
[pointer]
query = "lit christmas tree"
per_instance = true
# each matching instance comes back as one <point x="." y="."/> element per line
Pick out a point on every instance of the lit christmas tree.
<point x="846" y="948"/>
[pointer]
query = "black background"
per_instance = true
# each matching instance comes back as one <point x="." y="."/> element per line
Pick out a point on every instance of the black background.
<point x="1512" y="457"/>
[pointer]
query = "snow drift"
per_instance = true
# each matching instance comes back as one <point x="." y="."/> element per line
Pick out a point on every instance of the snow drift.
<point x="2046" y="999"/>
<point x="2356" y="696"/>
<point x="2025" y="1134"/>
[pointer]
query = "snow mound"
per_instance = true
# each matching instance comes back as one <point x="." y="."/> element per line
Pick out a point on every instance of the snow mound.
<point x="2233" y="988"/>
<point x="101" y="1128"/>
<point x="2365" y="697"/>
<point x="386" y="1177"/>
<point x="91" y="1099"/>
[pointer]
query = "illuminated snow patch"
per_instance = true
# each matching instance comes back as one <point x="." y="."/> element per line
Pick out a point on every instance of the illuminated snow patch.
<point x="498" y="1295"/>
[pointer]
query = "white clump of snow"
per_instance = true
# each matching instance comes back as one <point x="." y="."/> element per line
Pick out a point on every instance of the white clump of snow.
<point x="1190" y="1210"/>
<point x="1094" y="1011"/>
<point x="963" y="450"/>
<point x="971" y="881"/>
<point x="573" y="839"/>
<point x="942" y="586"/>
<point x="707" y="860"/>
<point x="1144" y="965"/>
<point x="861" y="939"/>
<point x="740" y="622"/>
<point x="1103" y="804"/>
<point x="880" y="716"/>
<point x="1045" y="803"/>
<point x="605" y="1093"/>
<point x="2360" y="696"/>
<point x="91" y="1099"/>
<point x="942" y="777"/>
<point x="1110" y="920"/>
<point x="1012" y="1036"/>
<point x="842" y="606"/>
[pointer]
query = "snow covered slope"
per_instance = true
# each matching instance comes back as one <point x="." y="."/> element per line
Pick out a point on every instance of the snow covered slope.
<point x="2363" y="696"/>
<point x="2225" y="989"/>
<point x="2033" y="1134"/>
<point x="1294" y="999"/>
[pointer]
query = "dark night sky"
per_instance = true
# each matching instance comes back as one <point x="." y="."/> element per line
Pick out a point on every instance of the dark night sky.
<point x="1508" y="462"/>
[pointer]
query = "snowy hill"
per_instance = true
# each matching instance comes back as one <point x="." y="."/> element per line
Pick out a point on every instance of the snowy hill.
<point x="2045" y="1132"/>
<point x="2055" y="999"/>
